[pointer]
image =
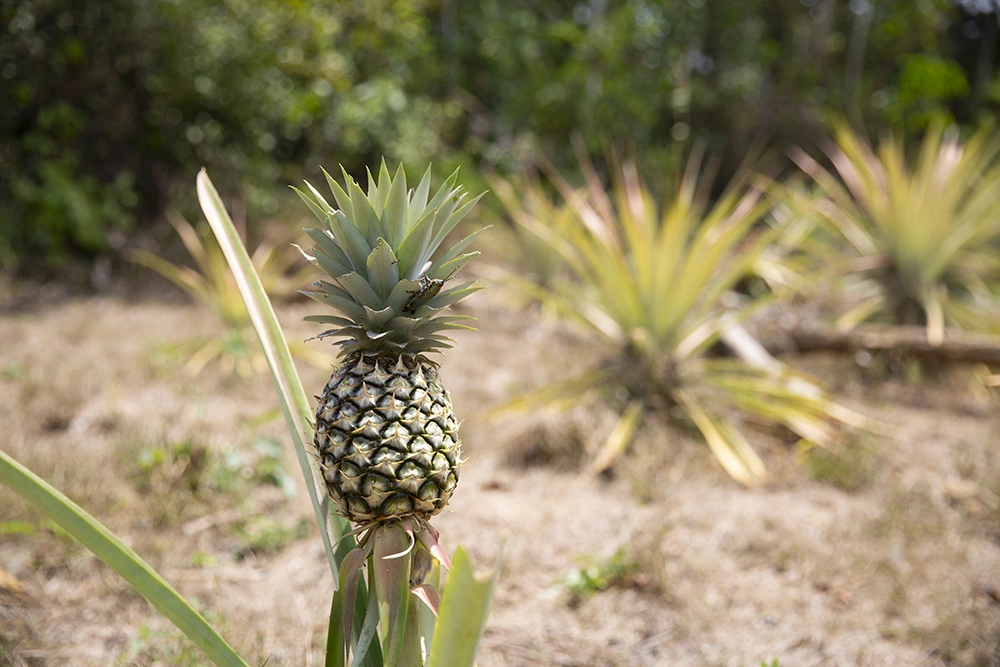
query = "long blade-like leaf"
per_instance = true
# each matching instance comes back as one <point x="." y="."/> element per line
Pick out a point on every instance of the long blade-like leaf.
<point x="411" y="655"/>
<point x="620" y="438"/>
<point x="102" y="543"/>
<point x="727" y="444"/>
<point x="392" y="580"/>
<point x="292" y="396"/>
<point x="368" y="651"/>
<point x="465" y="606"/>
<point x="336" y="639"/>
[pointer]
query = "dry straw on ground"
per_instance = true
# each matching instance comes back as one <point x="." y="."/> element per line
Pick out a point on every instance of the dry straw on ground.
<point x="896" y="571"/>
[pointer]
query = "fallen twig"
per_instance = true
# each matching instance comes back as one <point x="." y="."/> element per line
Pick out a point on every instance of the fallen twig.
<point x="907" y="340"/>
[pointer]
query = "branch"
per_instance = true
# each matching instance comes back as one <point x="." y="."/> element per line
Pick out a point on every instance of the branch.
<point x="908" y="340"/>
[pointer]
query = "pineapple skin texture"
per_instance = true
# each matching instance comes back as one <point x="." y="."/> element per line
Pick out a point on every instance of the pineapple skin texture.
<point x="387" y="439"/>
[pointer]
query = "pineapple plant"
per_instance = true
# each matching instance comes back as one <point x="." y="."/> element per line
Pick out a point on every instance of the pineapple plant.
<point x="655" y="276"/>
<point x="445" y="633"/>
<point x="920" y="230"/>
<point x="386" y="436"/>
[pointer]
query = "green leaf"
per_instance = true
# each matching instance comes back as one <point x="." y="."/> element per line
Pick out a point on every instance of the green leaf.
<point x="351" y="241"/>
<point x="429" y="589"/>
<point x="381" y="193"/>
<point x="329" y="266"/>
<point x="355" y="284"/>
<point x="465" y="606"/>
<point x="350" y="574"/>
<point x="394" y="217"/>
<point x="557" y="395"/>
<point x="184" y="277"/>
<point x="336" y="638"/>
<point x="414" y="250"/>
<point x="383" y="269"/>
<point x="418" y="203"/>
<point x="447" y="269"/>
<point x="620" y="437"/>
<point x="410" y="656"/>
<point x="365" y="216"/>
<point x="313" y="205"/>
<point x="368" y="652"/>
<point x="329" y="319"/>
<point x="294" y="404"/>
<point x="441" y="216"/>
<point x="728" y="444"/>
<point x="105" y="545"/>
<point x="390" y="564"/>
<point x="453" y="252"/>
<point x="337" y="302"/>
<point x="343" y="199"/>
<point x="446" y="190"/>
<point x="320" y="199"/>
<point x="453" y="218"/>
<point x="454" y="294"/>
<point x="324" y="241"/>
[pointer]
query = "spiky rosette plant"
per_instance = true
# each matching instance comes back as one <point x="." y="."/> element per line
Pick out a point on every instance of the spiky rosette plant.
<point x="392" y="629"/>
<point x="398" y="630"/>
<point x="922" y="229"/>
<point x="386" y="436"/>
<point x="651" y="275"/>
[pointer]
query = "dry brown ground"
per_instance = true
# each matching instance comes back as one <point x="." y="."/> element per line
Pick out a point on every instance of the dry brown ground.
<point x="890" y="558"/>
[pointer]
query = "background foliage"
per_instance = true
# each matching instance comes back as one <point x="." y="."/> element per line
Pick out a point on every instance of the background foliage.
<point x="111" y="103"/>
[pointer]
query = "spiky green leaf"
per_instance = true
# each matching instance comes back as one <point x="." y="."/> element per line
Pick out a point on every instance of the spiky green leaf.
<point x="383" y="270"/>
<point x="314" y="206"/>
<point x="465" y="606"/>
<point x="419" y="200"/>
<point x="394" y="215"/>
<point x="360" y="290"/>
<point x="354" y="245"/>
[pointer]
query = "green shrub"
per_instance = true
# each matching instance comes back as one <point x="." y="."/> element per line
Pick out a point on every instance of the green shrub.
<point x="115" y="101"/>
<point x="108" y="104"/>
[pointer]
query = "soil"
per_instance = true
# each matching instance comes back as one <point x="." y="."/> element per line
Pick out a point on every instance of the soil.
<point x="884" y="553"/>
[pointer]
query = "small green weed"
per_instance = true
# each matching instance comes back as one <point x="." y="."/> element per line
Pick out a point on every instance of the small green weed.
<point x="190" y="479"/>
<point x="13" y="371"/>
<point x="194" y="467"/>
<point x="265" y="535"/>
<point x="202" y="559"/>
<point x="161" y="647"/>
<point x="851" y="467"/>
<point x="597" y="574"/>
<point x="170" y="466"/>
<point x="269" y="467"/>
<point x="16" y="528"/>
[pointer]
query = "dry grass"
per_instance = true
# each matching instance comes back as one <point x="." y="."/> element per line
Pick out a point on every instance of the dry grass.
<point x="883" y="555"/>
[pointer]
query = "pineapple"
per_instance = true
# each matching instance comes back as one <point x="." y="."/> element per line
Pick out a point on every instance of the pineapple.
<point x="386" y="437"/>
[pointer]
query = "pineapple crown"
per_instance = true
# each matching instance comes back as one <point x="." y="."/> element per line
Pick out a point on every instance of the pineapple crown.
<point x="378" y="248"/>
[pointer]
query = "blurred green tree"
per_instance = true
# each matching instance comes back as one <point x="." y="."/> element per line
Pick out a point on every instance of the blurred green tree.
<point x="731" y="73"/>
<point x="111" y="103"/>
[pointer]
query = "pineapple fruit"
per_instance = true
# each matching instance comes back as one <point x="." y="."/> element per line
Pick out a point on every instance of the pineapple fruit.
<point x="386" y="435"/>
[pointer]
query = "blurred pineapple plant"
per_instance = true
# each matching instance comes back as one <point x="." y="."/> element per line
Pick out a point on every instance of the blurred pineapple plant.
<point x="656" y="282"/>
<point x="213" y="286"/>
<point x="922" y="234"/>
<point x="534" y="266"/>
